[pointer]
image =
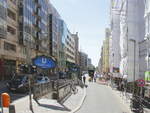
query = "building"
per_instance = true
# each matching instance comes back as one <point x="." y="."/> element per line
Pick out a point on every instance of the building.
<point x="105" y="52"/>
<point x="33" y="27"/>
<point x="142" y="58"/>
<point x="70" y="48"/>
<point x="83" y="61"/>
<point x="9" y="51"/>
<point x="115" y="56"/>
<point x="89" y="62"/>
<point x="54" y="32"/>
<point x="131" y="34"/>
<point x="76" y="38"/>
<point x="3" y="35"/>
<point x="147" y="32"/>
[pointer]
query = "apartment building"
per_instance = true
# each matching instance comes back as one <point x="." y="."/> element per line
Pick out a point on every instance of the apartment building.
<point x="83" y="61"/>
<point x="9" y="52"/>
<point x="33" y="27"/>
<point x="76" y="39"/>
<point x="70" y="47"/>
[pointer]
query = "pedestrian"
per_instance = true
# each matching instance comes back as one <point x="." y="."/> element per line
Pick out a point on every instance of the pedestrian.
<point x="84" y="78"/>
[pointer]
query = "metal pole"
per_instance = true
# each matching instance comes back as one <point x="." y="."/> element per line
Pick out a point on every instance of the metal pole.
<point x="30" y="97"/>
<point x="2" y="105"/>
<point x="134" y="65"/>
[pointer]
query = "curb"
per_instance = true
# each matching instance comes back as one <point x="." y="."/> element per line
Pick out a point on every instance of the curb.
<point x="81" y="103"/>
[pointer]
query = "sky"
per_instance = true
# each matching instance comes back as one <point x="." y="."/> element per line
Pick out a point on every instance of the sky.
<point x="89" y="18"/>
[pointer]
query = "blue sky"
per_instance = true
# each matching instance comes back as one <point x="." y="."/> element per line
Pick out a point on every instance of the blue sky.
<point x="89" y="18"/>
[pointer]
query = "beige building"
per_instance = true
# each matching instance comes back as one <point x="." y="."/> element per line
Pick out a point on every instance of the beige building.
<point x="9" y="50"/>
<point x="70" y="48"/>
<point x="76" y="39"/>
<point x="104" y="61"/>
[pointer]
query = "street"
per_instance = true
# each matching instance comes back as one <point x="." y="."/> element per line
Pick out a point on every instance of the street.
<point x="101" y="99"/>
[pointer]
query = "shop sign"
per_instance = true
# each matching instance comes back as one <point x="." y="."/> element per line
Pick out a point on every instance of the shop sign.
<point x="44" y="62"/>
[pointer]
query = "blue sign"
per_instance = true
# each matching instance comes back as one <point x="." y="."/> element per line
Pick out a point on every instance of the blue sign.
<point x="44" y="62"/>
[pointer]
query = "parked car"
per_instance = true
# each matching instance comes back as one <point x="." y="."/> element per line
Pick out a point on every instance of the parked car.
<point x="18" y="83"/>
<point x="42" y="79"/>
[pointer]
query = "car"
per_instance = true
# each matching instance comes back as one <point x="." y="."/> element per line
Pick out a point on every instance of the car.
<point x="42" y="79"/>
<point x="18" y="83"/>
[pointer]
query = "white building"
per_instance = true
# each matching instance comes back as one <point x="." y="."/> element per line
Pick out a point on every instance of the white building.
<point x="131" y="33"/>
<point x="115" y="38"/>
<point x="142" y="60"/>
<point x="147" y="31"/>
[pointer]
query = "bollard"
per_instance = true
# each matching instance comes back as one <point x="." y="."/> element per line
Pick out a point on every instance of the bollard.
<point x="5" y="100"/>
<point x="12" y="109"/>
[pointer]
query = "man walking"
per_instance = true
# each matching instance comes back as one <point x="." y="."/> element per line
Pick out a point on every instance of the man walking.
<point x="84" y="78"/>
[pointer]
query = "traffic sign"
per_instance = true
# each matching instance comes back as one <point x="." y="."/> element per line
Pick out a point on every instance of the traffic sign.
<point x="141" y="83"/>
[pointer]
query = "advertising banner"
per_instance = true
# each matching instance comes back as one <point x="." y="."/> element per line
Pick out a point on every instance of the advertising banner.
<point x="147" y="76"/>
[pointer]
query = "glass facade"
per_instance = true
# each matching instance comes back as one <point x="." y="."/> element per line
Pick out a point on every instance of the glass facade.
<point x="54" y="34"/>
<point x="34" y="24"/>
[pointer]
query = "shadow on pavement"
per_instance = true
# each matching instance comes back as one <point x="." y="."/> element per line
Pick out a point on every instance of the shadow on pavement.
<point x="13" y="96"/>
<point x="55" y="107"/>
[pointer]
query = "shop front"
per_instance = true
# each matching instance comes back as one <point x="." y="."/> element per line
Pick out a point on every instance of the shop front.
<point x="7" y="68"/>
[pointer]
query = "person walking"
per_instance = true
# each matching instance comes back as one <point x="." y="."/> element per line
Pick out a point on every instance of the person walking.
<point x="84" y="79"/>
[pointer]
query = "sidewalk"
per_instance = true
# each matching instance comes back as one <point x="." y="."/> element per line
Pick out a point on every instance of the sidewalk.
<point x="126" y="99"/>
<point x="50" y="105"/>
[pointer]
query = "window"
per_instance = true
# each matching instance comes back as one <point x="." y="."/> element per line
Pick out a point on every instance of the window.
<point x="9" y="46"/>
<point x="11" y="30"/>
<point x="11" y="14"/>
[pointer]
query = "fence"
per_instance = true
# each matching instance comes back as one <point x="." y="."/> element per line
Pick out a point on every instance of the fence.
<point x="60" y="89"/>
<point x="40" y="90"/>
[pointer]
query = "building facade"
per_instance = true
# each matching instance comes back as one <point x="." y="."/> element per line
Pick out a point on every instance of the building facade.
<point x="142" y="58"/>
<point x="147" y="32"/>
<point x="131" y="34"/>
<point x="70" y="48"/>
<point x="33" y="26"/>
<point x="9" y="52"/>
<point x="106" y="52"/>
<point x="76" y="39"/>
<point x="115" y="56"/>
<point x="89" y="62"/>
<point x="83" y="61"/>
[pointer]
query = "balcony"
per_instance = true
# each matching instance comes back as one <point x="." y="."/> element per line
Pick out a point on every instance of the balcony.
<point x="12" y="4"/>
<point x="12" y="22"/>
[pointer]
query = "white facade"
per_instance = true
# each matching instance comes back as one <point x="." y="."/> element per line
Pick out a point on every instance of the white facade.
<point x="131" y="33"/>
<point x="147" y="31"/>
<point x="142" y="61"/>
<point x="115" y="37"/>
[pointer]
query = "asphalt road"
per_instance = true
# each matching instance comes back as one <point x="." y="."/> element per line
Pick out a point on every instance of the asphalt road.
<point x="101" y="99"/>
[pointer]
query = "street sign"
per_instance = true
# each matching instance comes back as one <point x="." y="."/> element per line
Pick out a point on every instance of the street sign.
<point x="141" y="83"/>
<point x="44" y="62"/>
